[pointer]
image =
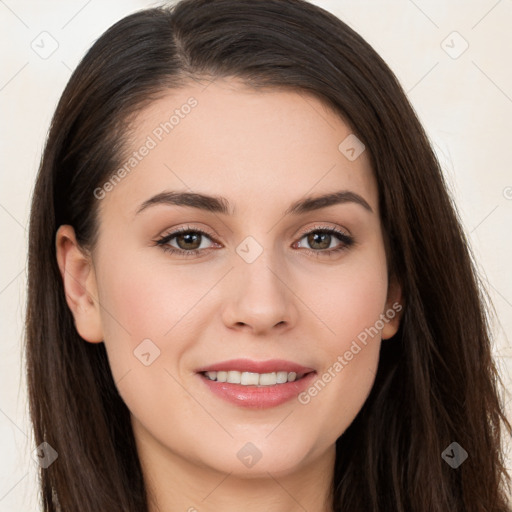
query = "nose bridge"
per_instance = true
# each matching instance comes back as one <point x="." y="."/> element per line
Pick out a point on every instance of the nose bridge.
<point x="261" y="298"/>
<point x="260" y="266"/>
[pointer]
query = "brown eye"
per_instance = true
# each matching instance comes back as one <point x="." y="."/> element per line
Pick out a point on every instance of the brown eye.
<point x="320" y="241"/>
<point x="191" y="240"/>
<point x="185" y="242"/>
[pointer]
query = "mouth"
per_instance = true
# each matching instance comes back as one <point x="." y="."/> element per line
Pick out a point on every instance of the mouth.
<point x="257" y="385"/>
<point x="260" y="367"/>
<point x="254" y="378"/>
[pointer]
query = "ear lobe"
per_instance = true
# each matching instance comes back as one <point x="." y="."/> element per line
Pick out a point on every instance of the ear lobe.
<point x="79" y="282"/>
<point x="394" y="309"/>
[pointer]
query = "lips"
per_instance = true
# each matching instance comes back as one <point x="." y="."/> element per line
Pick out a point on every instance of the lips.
<point x="249" y="365"/>
<point x="257" y="397"/>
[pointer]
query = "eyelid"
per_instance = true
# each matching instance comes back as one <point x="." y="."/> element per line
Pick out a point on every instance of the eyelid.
<point x="346" y="239"/>
<point x="301" y="233"/>
<point x="320" y="227"/>
<point x="173" y="232"/>
<point x="184" y="229"/>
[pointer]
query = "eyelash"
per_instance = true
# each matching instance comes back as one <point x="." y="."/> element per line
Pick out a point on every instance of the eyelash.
<point x="346" y="240"/>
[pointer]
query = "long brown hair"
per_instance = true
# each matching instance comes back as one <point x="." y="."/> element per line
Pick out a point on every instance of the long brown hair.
<point x="436" y="383"/>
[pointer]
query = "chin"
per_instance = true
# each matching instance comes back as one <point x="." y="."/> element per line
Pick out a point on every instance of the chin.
<point x="249" y="461"/>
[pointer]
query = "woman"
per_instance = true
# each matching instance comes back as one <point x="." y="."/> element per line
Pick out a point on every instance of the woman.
<point x="248" y="286"/>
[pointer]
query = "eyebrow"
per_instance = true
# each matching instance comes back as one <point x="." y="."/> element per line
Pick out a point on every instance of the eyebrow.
<point x="218" y="204"/>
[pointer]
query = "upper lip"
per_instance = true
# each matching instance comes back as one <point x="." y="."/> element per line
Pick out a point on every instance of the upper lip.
<point x="249" y="365"/>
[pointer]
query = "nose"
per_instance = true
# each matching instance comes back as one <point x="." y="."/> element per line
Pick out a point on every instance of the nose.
<point x="261" y="298"/>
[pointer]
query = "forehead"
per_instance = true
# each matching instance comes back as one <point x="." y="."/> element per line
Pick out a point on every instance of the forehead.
<point x="226" y="139"/>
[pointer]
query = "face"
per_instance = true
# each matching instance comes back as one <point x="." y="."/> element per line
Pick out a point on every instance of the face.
<point x="307" y="286"/>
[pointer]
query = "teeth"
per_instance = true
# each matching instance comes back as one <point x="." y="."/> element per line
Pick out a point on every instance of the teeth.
<point x="253" y="379"/>
<point x="247" y="379"/>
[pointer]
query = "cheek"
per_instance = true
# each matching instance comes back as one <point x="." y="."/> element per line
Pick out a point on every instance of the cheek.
<point x="144" y="316"/>
<point x="145" y="299"/>
<point x="349" y="304"/>
<point x="350" y="298"/>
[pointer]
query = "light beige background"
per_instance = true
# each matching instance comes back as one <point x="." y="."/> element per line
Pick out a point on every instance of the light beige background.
<point x="465" y="104"/>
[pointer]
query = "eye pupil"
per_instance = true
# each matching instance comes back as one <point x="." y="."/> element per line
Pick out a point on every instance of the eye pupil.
<point x="189" y="238"/>
<point x="321" y="238"/>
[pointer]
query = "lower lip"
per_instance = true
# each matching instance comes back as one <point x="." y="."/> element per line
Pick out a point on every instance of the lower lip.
<point x="258" y="397"/>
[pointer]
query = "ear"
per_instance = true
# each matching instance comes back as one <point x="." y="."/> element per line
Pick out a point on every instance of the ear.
<point x="79" y="284"/>
<point x="394" y="309"/>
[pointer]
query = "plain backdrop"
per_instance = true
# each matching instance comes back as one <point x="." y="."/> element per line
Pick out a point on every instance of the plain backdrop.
<point x="452" y="58"/>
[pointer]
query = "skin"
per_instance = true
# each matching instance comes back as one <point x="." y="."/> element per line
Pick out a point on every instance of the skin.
<point x="262" y="150"/>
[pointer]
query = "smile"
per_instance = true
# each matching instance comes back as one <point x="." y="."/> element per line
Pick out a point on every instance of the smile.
<point x="254" y="379"/>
